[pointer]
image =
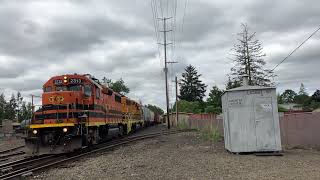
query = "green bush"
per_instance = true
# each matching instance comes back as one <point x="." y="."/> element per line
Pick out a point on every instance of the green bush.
<point x="189" y="107"/>
<point x="211" y="134"/>
<point x="212" y="109"/>
<point x="182" y="125"/>
<point x="282" y="109"/>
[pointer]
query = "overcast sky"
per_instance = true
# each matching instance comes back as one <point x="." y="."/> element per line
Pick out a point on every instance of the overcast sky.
<point x="116" y="38"/>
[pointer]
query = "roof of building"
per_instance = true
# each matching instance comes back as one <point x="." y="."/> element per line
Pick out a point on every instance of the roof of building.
<point x="244" y="88"/>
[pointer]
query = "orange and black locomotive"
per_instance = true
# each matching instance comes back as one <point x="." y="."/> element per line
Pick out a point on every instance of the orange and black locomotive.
<point x="77" y="111"/>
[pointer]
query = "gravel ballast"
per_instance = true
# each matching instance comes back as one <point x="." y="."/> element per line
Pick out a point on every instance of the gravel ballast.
<point x="9" y="143"/>
<point x="187" y="156"/>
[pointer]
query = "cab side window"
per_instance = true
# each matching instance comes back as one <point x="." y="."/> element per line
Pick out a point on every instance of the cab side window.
<point x="47" y="89"/>
<point x="97" y="93"/>
<point x="87" y="90"/>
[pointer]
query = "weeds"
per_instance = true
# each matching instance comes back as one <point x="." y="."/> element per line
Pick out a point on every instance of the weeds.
<point x="182" y="126"/>
<point x="211" y="134"/>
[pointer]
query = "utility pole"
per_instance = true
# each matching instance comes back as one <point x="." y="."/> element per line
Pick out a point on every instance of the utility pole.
<point x="177" y="113"/>
<point x="165" y="63"/>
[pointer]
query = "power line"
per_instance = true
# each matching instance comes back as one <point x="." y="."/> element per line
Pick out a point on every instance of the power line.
<point x="296" y="49"/>
<point x="184" y="14"/>
<point x="182" y="24"/>
<point x="161" y="8"/>
<point x="155" y="23"/>
<point x="174" y="14"/>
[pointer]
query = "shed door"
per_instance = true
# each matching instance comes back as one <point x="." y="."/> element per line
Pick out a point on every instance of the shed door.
<point x="264" y="123"/>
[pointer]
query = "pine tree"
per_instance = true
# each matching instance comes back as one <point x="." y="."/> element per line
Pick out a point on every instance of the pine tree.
<point x="191" y="88"/>
<point x="214" y="104"/>
<point x="232" y="84"/>
<point x="10" y="108"/>
<point x="25" y="111"/>
<point x="302" y="90"/>
<point x="19" y="102"/>
<point x="3" y="104"/>
<point x="215" y="97"/>
<point x="316" y="96"/>
<point x="302" y="98"/>
<point x="249" y="60"/>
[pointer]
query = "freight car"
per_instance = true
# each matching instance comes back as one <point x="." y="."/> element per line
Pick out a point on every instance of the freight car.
<point x="148" y="116"/>
<point x="78" y="111"/>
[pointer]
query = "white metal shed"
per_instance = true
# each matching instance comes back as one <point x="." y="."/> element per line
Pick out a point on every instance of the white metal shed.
<point x="251" y="120"/>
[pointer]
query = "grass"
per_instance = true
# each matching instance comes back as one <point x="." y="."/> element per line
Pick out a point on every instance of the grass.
<point x="182" y="126"/>
<point x="211" y="134"/>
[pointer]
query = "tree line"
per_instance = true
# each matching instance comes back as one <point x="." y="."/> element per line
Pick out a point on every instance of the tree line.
<point x="301" y="99"/>
<point x="14" y="109"/>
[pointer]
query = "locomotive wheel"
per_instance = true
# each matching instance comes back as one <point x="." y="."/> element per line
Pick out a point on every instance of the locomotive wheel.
<point x="85" y="140"/>
<point x="122" y="130"/>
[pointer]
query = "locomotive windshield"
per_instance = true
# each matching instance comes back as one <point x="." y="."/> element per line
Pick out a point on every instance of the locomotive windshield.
<point x="69" y="88"/>
<point x="47" y="89"/>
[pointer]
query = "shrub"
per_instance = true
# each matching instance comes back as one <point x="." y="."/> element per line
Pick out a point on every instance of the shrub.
<point x="211" y="134"/>
<point x="182" y="125"/>
<point x="282" y="109"/>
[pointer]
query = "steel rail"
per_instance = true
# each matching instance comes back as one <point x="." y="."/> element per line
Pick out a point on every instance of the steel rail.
<point x="12" y="149"/>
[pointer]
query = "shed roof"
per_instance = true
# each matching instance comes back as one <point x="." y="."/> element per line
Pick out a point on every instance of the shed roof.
<point x="244" y="88"/>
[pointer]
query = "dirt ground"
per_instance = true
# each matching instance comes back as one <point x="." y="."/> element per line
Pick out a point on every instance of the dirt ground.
<point x="187" y="156"/>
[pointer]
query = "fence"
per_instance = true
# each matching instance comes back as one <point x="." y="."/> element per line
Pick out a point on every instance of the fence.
<point x="201" y="121"/>
<point x="297" y="129"/>
<point x="300" y="129"/>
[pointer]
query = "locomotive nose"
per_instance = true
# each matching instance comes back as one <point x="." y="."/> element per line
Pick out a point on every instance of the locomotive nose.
<point x="66" y="97"/>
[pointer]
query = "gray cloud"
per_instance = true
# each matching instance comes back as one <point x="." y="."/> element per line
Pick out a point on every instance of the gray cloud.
<point x="115" y="38"/>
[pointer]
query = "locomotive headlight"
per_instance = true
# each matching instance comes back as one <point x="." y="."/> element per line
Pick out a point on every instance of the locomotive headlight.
<point x="65" y="130"/>
<point x="35" y="131"/>
<point x="65" y="79"/>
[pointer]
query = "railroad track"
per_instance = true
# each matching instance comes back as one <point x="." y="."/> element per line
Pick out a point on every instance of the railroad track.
<point x="12" y="149"/>
<point x="30" y="165"/>
<point x="5" y="156"/>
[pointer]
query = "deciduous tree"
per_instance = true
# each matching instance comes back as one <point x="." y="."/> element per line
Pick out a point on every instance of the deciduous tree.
<point x="288" y="96"/>
<point x="155" y="109"/>
<point x="117" y="86"/>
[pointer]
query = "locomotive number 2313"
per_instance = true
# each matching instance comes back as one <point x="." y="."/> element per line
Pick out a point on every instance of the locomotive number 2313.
<point x="75" y="81"/>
